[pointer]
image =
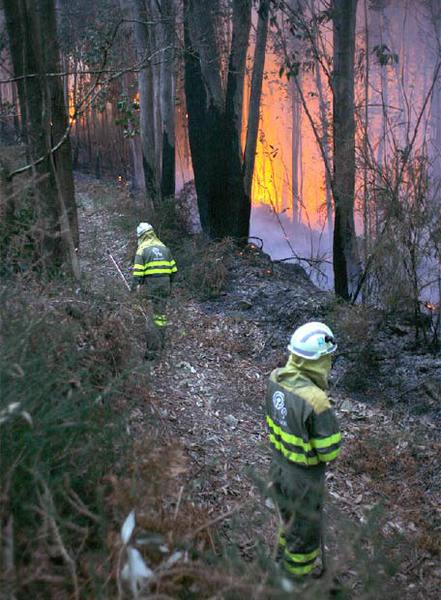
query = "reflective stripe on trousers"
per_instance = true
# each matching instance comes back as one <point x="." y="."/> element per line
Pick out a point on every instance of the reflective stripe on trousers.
<point x="160" y="320"/>
<point x="298" y="492"/>
<point x="297" y="563"/>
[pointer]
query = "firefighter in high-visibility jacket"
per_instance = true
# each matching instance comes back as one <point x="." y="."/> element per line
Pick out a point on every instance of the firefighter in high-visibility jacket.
<point x="304" y="437"/>
<point x="153" y="269"/>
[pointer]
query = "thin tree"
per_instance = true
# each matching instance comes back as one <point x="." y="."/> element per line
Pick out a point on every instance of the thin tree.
<point x="345" y="254"/>
<point x="324" y="116"/>
<point x="168" y="87"/>
<point x="144" y="50"/>
<point x="255" y="94"/>
<point x="434" y="7"/>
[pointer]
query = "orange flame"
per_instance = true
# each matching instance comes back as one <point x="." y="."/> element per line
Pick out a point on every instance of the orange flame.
<point x="272" y="179"/>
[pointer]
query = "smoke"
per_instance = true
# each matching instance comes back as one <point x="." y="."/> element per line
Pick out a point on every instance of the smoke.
<point x="310" y="247"/>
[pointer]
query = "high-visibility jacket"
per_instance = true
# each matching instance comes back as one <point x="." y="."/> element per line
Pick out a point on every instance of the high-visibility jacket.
<point x="304" y="437"/>
<point x="303" y="429"/>
<point x="153" y="259"/>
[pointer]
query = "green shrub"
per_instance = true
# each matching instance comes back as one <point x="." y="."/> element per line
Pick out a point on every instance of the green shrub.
<point x="62" y="367"/>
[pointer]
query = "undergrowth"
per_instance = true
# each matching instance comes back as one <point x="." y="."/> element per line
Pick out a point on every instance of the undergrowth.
<point x="358" y="327"/>
<point x="205" y="266"/>
<point x="75" y="460"/>
<point x="65" y="389"/>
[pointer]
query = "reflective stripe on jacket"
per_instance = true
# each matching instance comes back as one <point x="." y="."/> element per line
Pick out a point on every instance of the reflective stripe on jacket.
<point x="153" y="259"/>
<point x="302" y="426"/>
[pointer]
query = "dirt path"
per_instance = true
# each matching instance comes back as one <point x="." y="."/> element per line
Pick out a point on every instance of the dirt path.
<point x="206" y="395"/>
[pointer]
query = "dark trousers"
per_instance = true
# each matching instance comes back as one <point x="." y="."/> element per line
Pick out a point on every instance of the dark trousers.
<point x="298" y="492"/>
<point x="158" y="291"/>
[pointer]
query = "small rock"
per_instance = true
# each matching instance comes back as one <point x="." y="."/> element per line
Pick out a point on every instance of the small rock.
<point x="269" y="504"/>
<point x="398" y="329"/>
<point x="185" y="365"/>
<point x="244" y="304"/>
<point x="231" y="421"/>
<point x="346" y="406"/>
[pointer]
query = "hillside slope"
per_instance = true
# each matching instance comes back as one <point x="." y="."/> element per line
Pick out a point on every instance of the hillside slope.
<point x="201" y="454"/>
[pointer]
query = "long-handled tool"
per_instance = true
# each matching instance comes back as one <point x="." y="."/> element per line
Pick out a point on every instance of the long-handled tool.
<point x="120" y="273"/>
<point x="322" y="544"/>
<point x="126" y="283"/>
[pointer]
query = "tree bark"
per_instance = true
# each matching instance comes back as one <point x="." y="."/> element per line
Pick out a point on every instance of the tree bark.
<point x="256" y="92"/>
<point x="296" y="150"/>
<point x="137" y="179"/>
<point x="146" y="99"/>
<point x="196" y="101"/>
<point x="324" y="123"/>
<point x="345" y="261"/>
<point x="295" y="46"/>
<point x="155" y="41"/>
<point x="7" y="209"/>
<point x="238" y="196"/>
<point x="168" y="87"/>
<point x="366" y="211"/>
<point x="59" y="119"/>
<point x="213" y="120"/>
<point x="435" y="109"/>
<point x="34" y="50"/>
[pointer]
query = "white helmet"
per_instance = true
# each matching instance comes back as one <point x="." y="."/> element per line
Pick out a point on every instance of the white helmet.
<point x="143" y="228"/>
<point x="312" y="341"/>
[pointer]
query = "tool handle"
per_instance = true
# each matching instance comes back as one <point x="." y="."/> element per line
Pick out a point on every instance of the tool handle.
<point x="118" y="269"/>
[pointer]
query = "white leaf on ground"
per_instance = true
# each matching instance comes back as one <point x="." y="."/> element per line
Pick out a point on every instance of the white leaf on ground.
<point x="128" y="527"/>
<point x="135" y="570"/>
<point x="269" y="504"/>
<point x="174" y="558"/>
<point x="27" y="417"/>
<point x="287" y="585"/>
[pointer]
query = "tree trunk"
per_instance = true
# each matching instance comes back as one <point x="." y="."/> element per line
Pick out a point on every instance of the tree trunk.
<point x="435" y="109"/>
<point x="168" y="87"/>
<point x="137" y="180"/>
<point x="7" y="209"/>
<point x="59" y="120"/>
<point x="147" y="119"/>
<point x="238" y="197"/>
<point x="202" y="154"/>
<point x="155" y="50"/>
<point x="366" y="212"/>
<point x="325" y="126"/>
<point x="256" y="92"/>
<point x="345" y="262"/>
<point x="213" y="121"/>
<point x="296" y="150"/>
<point x="34" y="49"/>
<point x="381" y="157"/>
<point x="324" y="122"/>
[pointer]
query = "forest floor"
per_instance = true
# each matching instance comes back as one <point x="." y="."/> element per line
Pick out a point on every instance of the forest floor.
<point x="200" y="440"/>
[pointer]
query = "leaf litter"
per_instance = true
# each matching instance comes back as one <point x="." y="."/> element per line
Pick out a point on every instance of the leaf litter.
<point x="204" y="410"/>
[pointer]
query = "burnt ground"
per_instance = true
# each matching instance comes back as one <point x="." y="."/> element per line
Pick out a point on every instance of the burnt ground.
<point x="202" y="412"/>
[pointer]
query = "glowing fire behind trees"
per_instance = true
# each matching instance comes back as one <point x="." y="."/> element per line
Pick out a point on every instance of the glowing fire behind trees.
<point x="96" y="132"/>
<point x="272" y="181"/>
<point x="401" y="71"/>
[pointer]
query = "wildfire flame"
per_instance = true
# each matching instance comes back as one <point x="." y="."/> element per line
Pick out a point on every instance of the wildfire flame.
<point x="71" y="109"/>
<point x="272" y="179"/>
<point x="431" y="306"/>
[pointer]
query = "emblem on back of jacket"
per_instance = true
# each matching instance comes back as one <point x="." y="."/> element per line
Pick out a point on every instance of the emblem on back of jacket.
<point x="280" y="408"/>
